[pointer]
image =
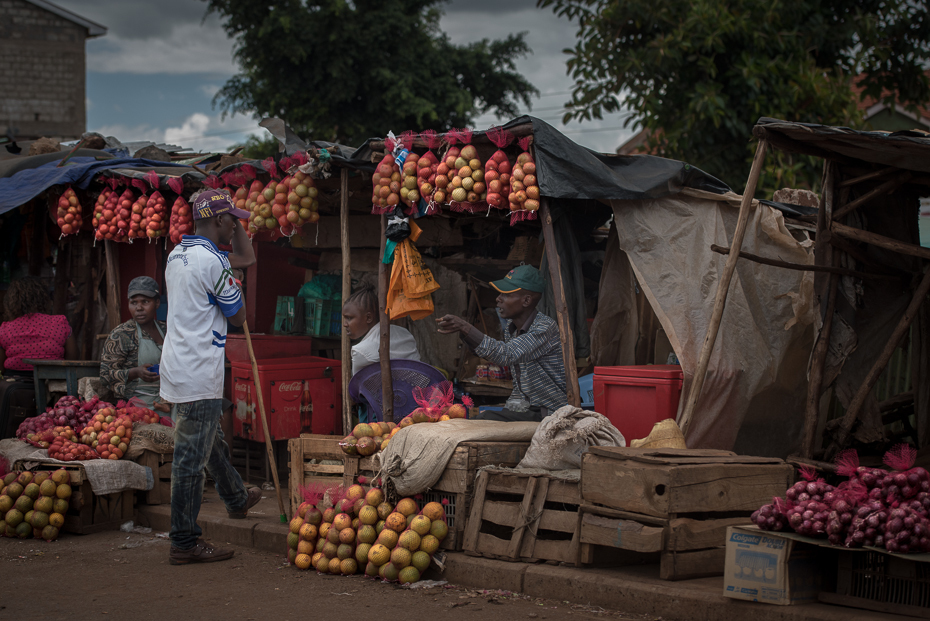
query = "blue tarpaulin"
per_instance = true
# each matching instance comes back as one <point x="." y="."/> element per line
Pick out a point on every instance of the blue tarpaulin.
<point x="25" y="185"/>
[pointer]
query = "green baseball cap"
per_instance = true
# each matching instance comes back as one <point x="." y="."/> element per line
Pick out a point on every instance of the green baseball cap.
<point x="521" y="277"/>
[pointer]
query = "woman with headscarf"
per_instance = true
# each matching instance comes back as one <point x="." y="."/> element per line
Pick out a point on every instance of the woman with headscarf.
<point x="134" y="347"/>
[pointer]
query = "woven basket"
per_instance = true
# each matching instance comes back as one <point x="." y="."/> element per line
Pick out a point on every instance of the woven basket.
<point x="665" y="434"/>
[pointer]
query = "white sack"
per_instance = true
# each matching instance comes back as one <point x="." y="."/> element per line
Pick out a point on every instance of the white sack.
<point x="563" y="436"/>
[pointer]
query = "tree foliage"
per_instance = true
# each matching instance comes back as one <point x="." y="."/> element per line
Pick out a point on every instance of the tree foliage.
<point x="699" y="73"/>
<point x="347" y="70"/>
<point x="258" y="147"/>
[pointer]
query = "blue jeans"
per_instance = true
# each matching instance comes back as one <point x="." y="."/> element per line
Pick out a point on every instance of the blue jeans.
<point x="199" y="445"/>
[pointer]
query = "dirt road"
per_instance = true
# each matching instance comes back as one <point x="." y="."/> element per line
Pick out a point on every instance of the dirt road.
<point x="120" y="575"/>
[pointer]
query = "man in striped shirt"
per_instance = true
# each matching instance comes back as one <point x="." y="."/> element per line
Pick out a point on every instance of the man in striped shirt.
<point x="531" y="347"/>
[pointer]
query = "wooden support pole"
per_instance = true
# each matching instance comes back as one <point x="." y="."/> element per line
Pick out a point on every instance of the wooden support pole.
<point x="723" y="288"/>
<point x="62" y="276"/>
<point x="800" y="267"/>
<point x="904" y="324"/>
<point x="37" y="243"/>
<point x="875" y="174"/>
<point x="113" y="305"/>
<point x="384" y="349"/>
<point x="561" y="307"/>
<point x="886" y="188"/>
<point x="346" y="292"/>
<point x="824" y="253"/>
<point x="880" y="240"/>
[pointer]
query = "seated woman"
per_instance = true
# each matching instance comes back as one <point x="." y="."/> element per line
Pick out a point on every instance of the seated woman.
<point x="29" y="332"/>
<point x="360" y="320"/>
<point x="134" y="346"/>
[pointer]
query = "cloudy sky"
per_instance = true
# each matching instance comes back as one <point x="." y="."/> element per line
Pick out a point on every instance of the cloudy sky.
<point x="154" y="74"/>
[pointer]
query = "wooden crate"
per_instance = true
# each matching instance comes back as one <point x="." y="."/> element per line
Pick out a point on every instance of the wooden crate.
<point x="689" y="548"/>
<point x="457" y="482"/>
<point x="517" y="517"/>
<point x="88" y="512"/>
<point x="668" y="483"/>
<point x="160" y="464"/>
<point x="320" y="447"/>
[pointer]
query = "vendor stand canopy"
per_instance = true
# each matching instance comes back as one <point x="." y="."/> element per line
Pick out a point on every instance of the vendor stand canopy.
<point x="667" y="215"/>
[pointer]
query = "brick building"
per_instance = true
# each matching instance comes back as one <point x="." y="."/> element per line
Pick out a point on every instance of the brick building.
<point x="42" y="70"/>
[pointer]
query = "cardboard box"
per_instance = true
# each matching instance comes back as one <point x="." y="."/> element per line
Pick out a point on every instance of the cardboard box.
<point x="763" y="566"/>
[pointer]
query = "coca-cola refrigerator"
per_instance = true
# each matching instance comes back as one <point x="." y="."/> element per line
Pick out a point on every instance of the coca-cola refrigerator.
<point x="302" y="395"/>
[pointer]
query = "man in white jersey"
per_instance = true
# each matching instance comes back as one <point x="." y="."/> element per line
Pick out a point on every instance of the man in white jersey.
<point x="202" y="297"/>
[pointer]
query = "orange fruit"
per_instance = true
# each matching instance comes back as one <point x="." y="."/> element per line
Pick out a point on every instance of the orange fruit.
<point x="388" y="538"/>
<point x="439" y="529"/>
<point x="368" y="515"/>
<point x="302" y="561"/>
<point x="429" y="544"/>
<point x="420" y="524"/>
<point x="407" y="506"/>
<point x="342" y="521"/>
<point x="434" y="511"/>
<point x="409" y="540"/>
<point x="379" y="554"/>
<point x="400" y="557"/>
<point x="396" y="522"/>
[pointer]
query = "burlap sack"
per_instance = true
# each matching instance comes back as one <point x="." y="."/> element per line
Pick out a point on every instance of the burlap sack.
<point x="563" y="436"/>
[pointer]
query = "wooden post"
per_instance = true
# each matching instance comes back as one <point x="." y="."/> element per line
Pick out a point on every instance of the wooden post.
<point x="384" y="349"/>
<point x="886" y="188"/>
<point x="823" y="254"/>
<point x="881" y="362"/>
<point x="723" y="288"/>
<point x="888" y="243"/>
<point x="561" y="308"/>
<point x="62" y="276"/>
<point x="346" y="291"/>
<point x="113" y="301"/>
<point x="37" y="244"/>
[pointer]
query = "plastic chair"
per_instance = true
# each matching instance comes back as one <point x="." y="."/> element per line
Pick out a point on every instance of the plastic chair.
<point x="406" y="375"/>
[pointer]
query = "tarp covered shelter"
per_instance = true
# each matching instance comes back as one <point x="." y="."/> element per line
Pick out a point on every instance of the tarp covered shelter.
<point x="867" y="233"/>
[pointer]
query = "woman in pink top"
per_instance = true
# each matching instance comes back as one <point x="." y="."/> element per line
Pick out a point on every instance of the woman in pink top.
<point x="28" y="332"/>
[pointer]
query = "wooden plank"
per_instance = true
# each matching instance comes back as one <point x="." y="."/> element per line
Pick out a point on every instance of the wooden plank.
<point x="317" y="446"/>
<point x="455" y="481"/>
<point x="473" y="526"/>
<point x="661" y="490"/>
<point x="679" y="456"/>
<point x="506" y="454"/>
<point x="502" y="513"/>
<point x="535" y="489"/>
<point x="559" y="521"/>
<point x="553" y="550"/>
<point x="885" y="188"/>
<point x="459" y="459"/>
<point x="688" y="565"/>
<point x="324" y="468"/>
<point x="623" y="534"/>
<point x="687" y="534"/>
<point x="566" y="336"/>
<point x="723" y="288"/>
<point x="532" y="516"/>
<point x="350" y="471"/>
<point x="489" y="544"/>
<point x="867" y="604"/>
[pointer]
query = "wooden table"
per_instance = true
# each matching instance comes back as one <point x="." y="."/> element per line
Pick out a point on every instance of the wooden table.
<point x="69" y="370"/>
<point x="488" y="388"/>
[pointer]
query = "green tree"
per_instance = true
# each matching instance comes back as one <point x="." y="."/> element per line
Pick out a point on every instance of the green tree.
<point x="347" y="70"/>
<point x="699" y="73"/>
<point x="258" y="147"/>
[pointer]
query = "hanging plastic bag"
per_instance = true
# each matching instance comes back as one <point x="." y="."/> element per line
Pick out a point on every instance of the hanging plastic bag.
<point x="386" y="181"/>
<point x="411" y="284"/>
<point x="428" y="166"/>
<point x="497" y="169"/>
<point x="398" y="226"/>
<point x="69" y="211"/>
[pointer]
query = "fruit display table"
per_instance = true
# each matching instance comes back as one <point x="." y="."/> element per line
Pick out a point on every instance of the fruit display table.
<point x="69" y="370"/>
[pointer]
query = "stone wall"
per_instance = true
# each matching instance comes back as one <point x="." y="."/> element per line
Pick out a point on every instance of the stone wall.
<point x="42" y="72"/>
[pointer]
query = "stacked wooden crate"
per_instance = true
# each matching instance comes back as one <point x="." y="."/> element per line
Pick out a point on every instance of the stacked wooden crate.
<point x="89" y="512"/>
<point x="160" y="465"/>
<point x="524" y="517"/>
<point x="306" y="453"/>
<point x="675" y="502"/>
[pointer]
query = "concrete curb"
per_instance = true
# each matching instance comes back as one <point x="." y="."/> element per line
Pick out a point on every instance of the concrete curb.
<point x="633" y="589"/>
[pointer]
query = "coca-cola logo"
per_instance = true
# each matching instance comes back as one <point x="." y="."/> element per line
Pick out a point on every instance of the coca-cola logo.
<point x="243" y="387"/>
<point x="290" y="391"/>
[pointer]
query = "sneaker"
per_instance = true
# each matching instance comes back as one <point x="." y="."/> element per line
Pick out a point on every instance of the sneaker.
<point x="202" y="552"/>
<point x="255" y="494"/>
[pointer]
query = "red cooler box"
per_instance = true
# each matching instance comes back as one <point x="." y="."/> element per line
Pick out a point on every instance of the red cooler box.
<point x="636" y="398"/>
<point x="294" y="390"/>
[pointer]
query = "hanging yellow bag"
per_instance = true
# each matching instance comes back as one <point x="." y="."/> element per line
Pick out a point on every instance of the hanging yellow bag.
<point x="412" y="283"/>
